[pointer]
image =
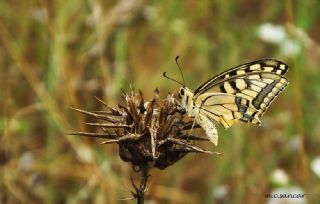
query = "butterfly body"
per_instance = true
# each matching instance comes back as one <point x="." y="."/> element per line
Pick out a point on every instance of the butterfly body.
<point x="240" y="93"/>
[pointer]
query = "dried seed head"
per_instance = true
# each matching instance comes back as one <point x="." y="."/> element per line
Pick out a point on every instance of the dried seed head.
<point x="149" y="134"/>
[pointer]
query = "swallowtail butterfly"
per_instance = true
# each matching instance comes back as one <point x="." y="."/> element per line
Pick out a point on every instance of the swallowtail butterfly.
<point x="241" y="93"/>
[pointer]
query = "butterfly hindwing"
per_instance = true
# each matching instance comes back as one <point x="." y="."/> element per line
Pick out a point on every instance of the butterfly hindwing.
<point x="226" y="108"/>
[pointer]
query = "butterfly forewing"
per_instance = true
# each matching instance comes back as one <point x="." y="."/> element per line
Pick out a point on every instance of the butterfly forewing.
<point x="259" y="82"/>
<point x="263" y="65"/>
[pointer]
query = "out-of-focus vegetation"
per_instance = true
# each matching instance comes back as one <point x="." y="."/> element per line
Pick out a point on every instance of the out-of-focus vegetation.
<point x="60" y="54"/>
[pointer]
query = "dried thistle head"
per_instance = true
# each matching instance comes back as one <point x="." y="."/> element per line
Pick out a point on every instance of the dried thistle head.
<point x="149" y="134"/>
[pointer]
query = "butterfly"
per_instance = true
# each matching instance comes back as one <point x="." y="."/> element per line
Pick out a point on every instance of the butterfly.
<point x="242" y="93"/>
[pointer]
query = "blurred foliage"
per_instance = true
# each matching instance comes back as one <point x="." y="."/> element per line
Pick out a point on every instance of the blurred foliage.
<point x="60" y="54"/>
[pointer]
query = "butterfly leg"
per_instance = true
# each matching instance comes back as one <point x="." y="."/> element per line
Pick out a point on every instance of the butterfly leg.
<point x="194" y="122"/>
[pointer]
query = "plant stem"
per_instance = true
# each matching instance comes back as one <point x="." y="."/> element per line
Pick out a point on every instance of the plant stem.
<point x="143" y="183"/>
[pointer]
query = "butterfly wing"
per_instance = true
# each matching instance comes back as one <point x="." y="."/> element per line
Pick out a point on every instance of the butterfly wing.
<point x="207" y="124"/>
<point x="263" y="65"/>
<point x="257" y="82"/>
<point x="226" y="108"/>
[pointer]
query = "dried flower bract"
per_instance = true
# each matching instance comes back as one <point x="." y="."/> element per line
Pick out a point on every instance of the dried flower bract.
<point x="149" y="134"/>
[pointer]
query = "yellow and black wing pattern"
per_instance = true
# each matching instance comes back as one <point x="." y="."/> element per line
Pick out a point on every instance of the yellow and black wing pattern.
<point x="254" y="86"/>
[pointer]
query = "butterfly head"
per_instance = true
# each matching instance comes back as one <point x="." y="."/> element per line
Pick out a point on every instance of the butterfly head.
<point x="182" y="92"/>
<point x="186" y="96"/>
<point x="183" y="96"/>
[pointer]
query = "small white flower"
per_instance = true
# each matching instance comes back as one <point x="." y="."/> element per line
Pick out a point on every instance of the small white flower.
<point x="279" y="177"/>
<point x="84" y="154"/>
<point x="315" y="166"/>
<point x="290" y="48"/>
<point x="221" y="192"/>
<point x="277" y="34"/>
<point x="272" y="33"/>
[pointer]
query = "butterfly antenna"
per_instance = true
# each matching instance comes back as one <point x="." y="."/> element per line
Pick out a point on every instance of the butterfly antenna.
<point x="164" y="74"/>
<point x="184" y="83"/>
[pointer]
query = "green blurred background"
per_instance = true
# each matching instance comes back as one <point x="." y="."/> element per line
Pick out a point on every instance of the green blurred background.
<point x="60" y="54"/>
